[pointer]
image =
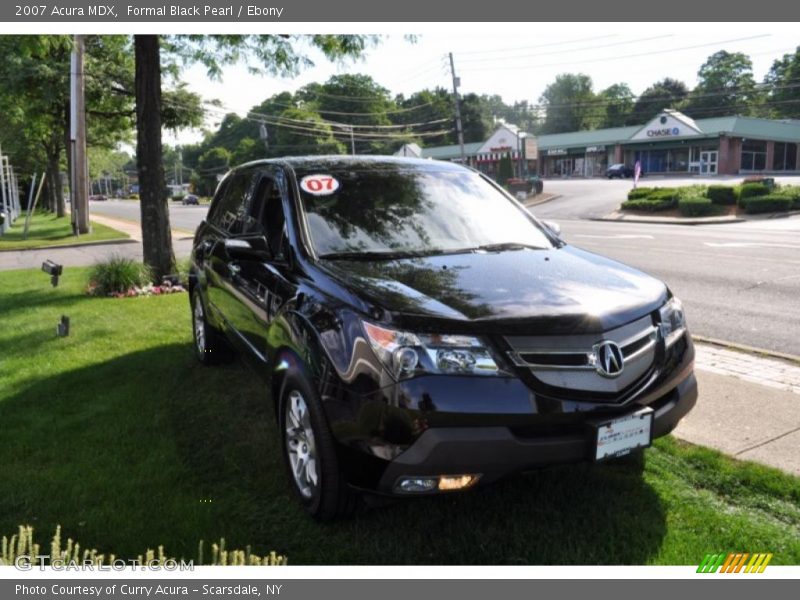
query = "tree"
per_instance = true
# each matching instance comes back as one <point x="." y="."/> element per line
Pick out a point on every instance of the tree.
<point x="667" y="93"/>
<point x="782" y="87"/>
<point x="476" y="118"/>
<point x="726" y="87"/>
<point x="353" y="99"/>
<point x="505" y="170"/>
<point x="305" y="132"/>
<point x="211" y="166"/>
<point x="277" y="54"/>
<point x="570" y="104"/>
<point x="616" y="105"/>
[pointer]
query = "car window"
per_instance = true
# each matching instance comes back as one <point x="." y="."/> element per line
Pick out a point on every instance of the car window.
<point x="403" y="209"/>
<point x="231" y="209"/>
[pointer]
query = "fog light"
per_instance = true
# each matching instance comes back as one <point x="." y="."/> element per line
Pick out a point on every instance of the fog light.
<point x="417" y="484"/>
<point x="457" y="482"/>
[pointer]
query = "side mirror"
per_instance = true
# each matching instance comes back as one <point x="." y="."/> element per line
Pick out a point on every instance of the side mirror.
<point x="251" y="248"/>
<point x="554" y="227"/>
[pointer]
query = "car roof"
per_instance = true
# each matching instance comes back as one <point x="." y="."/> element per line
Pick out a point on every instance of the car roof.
<point x="358" y="162"/>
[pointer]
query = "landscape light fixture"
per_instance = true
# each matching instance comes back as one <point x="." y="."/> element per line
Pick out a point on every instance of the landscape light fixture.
<point x="52" y="269"/>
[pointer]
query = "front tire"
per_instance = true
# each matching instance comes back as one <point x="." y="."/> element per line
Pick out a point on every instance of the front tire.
<point x="309" y="452"/>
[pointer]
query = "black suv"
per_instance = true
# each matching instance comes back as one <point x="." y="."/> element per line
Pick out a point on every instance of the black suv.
<point x="420" y="332"/>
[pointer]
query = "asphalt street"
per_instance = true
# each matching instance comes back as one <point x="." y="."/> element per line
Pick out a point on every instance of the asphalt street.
<point x="185" y="218"/>
<point x="739" y="282"/>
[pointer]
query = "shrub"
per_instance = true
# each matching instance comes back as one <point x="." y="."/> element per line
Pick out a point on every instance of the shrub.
<point x="22" y="544"/>
<point x="639" y="193"/>
<point x="790" y="191"/>
<point x="751" y="190"/>
<point x="648" y="205"/>
<point x="176" y="197"/>
<point x="133" y="196"/>
<point x="697" y="207"/>
<point x="669" y="195"/>
<point x="117" y="275"/>
<point x="721" y="194"/>
<point x="769" y="203"/>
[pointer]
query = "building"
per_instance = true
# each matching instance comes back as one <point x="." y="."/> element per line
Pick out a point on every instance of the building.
<point x="485" y="156"/>
<point x="672" y="143"/>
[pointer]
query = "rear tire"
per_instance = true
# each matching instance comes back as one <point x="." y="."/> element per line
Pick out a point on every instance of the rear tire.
<point x="309" y="452"/>
<point x="210" y="346"/>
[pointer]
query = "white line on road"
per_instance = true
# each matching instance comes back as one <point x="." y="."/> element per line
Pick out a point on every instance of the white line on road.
<point x="617" y="237"/>
<point x="750" y="245"/>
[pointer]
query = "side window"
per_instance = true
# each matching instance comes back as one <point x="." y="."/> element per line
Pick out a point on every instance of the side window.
<point x="231" y="209"/>
<point x="254" y="218"/>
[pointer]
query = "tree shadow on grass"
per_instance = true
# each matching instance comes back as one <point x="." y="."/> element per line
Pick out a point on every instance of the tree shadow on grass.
<point x="151" y="448"/>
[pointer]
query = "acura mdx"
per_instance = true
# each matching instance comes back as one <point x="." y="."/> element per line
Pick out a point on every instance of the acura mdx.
<point x="418" y="331"/>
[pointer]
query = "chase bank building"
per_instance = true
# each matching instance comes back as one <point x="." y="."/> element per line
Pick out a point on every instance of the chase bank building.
<point x="672" y="143"/>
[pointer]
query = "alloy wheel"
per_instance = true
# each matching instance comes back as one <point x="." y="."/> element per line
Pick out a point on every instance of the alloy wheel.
<point x="300" y="445"/>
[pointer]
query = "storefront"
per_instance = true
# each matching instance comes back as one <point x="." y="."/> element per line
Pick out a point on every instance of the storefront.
<point x="672" y="143"/>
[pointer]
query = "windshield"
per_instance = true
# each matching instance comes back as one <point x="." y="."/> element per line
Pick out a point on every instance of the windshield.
<point x="394" y="209"/>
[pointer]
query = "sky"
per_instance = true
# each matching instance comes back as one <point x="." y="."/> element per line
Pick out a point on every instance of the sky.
<point x="516" y="61"/>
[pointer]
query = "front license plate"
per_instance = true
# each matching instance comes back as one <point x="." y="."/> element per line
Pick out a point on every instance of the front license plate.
<point x="618" y="437"/>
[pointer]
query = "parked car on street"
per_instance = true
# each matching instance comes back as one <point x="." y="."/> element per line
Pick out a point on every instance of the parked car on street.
<point x="419" y="332"/>
<point x="619" y="170"/>
<point x="190" y="199"/>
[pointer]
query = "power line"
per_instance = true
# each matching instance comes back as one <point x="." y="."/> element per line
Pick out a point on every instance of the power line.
<point x="538" y="54"/>
<point x="515" y="48"/>
<point x="624" y="57"/>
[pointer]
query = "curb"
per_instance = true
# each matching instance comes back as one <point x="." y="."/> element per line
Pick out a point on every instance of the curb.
<point x="533" y="203"/>
<point x="747" y="349"/>
<point x="665" y="221"/>
<point x="78" y="245"/>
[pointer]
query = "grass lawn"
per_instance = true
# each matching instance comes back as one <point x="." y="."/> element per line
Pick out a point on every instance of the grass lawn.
<point x="118" y="435"/>
<point x="48" y="230"/>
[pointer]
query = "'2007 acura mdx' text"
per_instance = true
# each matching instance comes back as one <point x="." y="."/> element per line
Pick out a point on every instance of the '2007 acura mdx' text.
<point x="420" y="332"/>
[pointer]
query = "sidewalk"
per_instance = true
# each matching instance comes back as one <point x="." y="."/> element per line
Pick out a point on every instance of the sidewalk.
<point x="85" y="255"/>
<point x="749" y="407"/>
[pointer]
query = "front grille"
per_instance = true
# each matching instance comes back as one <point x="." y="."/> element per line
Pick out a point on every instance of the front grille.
<point x="569" y="363"/>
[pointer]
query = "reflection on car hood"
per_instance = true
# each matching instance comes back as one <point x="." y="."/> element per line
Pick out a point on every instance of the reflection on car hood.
<point x="558" y="289"/>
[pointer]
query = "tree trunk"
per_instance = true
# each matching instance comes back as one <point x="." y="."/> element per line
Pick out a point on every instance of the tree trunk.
<point x="156" y="234"/>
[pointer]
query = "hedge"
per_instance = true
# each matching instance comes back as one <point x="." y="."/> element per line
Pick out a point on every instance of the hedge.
<point x="648" y="205"/>
<point x="639" y="193"/>
<point x="751" y="190"/>
<point x="697" y="207"/>
<point x="769" y="203"/>
<point x="721" y="194"/>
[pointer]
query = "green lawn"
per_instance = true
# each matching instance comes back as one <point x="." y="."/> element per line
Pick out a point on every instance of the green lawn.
<point x="48" y="230"/>
<point x="118" y="435"/>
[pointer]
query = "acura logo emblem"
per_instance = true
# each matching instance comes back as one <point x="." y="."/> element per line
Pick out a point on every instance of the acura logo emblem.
<point x="609" y="361"/>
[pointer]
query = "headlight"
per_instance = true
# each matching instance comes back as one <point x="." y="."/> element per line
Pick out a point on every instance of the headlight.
<point x="407" y="354"/>
<point x="673" y="321"/>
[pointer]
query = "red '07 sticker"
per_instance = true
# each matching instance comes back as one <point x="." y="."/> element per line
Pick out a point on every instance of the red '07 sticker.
<point x="319" y="185"/>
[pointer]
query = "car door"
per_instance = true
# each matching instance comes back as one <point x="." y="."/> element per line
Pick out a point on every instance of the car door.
<point x="221" y="268"/>
<point x="264" y="284"/>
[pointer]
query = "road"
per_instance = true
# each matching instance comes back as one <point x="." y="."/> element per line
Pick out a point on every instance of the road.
<point x="739" y="282"/>
<point x="185" y="218"/>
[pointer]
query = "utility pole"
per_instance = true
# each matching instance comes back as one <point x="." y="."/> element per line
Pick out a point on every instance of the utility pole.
<point x="459" y="129"/>
<point x="6" y="222"/>
<point x="80" y="170"/>
<point x="352" y="142"/>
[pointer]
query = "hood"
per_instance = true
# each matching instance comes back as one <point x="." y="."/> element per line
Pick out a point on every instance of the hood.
<point x="557" y="290"/>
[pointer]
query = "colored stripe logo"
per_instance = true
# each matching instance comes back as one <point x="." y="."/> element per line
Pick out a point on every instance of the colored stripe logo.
<point x="735" y="562"/>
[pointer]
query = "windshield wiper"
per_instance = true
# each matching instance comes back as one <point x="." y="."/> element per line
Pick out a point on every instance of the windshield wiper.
<point x="371" y="255"/>
<point x="499" y="247"/>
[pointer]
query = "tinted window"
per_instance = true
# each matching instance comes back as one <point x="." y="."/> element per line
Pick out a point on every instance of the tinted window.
<point x="229" y="212"/>
<point x="397" y="208"/>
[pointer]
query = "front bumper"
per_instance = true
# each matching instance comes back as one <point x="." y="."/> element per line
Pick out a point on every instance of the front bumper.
<point x="496" y="452"/>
